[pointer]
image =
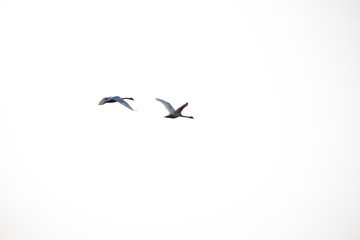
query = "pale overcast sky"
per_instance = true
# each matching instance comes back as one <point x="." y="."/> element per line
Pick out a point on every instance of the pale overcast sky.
<point x="273" y="151"/>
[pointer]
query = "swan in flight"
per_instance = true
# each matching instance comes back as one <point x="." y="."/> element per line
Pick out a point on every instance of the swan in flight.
<point x="116" y="99"/>
<point x="172" y="112"/>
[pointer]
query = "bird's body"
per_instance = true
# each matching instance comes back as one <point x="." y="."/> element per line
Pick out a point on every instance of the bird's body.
<point x="172" y="112"/>
<point x="116" y="99"/>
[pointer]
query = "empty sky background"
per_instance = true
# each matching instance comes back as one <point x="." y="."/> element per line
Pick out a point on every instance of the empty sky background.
<point x="273" y="151"/>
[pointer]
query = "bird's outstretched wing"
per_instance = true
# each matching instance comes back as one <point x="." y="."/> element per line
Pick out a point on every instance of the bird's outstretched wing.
<point x="103" y="101"/>
<point x="181" y="108"/>
<point x="167" y="105"/>
<point x="122" y="101"/>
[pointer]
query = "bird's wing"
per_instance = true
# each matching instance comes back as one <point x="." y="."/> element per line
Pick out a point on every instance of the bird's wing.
<point x="103" y="101"/>
<point x="167" y="105"/>
<point x="181" y="108"/>
<point x="122" y="101"/>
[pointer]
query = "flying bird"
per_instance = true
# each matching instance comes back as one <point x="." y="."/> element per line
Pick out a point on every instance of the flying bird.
<point x="116" y="99"/>
<point x="172" y="112"/>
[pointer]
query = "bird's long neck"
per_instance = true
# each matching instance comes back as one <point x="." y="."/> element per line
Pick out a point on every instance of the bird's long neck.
<point x="187" y="116"/>
<point x="129" y="98"/>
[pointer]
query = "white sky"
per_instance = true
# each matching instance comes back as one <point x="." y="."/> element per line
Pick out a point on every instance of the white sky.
<point x="273" y="151"/>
